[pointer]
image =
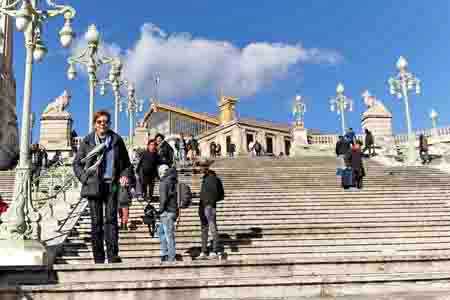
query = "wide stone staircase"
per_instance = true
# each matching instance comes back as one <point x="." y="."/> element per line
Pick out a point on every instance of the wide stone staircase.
<point x="288" y="230"/>
<point x="7" y="179"/>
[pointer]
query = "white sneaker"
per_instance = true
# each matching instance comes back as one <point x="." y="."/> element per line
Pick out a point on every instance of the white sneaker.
<point x="213" y="255"/>
<point x="202" y="256"/>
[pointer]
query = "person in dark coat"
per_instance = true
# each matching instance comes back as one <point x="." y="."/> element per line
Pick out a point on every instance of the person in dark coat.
<point x="423" y="149"/>
<point x="342" y="147"/>
<point x="147" y="169"/>
<point x="258" y="148"/>
<point x="350" y="136"/>
<point x="38" y="162"/>
<point x="218" y="150"/>
<point x="168" y="211"/>
<point x="212" y="149"/>
<point x="369" y="143"/>
<point x="165" y="151"/>
<point x="211" y="192"/>
<point x="102" y="164"/>
<point x="354" y="160"/>
<point x="232" y="150"/>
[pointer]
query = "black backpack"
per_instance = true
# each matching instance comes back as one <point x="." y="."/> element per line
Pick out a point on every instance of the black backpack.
<point x="257" y="147"/>
<point x="184" y="195"/>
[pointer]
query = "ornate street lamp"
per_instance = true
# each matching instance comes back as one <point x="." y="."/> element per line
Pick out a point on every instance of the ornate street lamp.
<point x="90" y="59"/>
<point x="434" y="116"/>
<point x="298" y="110"/>
<point x="116" y="83"/>
<point x="341" y="103"/>
<point x="400" y="85"/>
<point x="20" y="219"/>
<point x="134" y="106"/>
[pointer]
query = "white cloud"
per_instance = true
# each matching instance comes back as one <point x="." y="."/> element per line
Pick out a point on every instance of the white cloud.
<point x="194" y="66"/>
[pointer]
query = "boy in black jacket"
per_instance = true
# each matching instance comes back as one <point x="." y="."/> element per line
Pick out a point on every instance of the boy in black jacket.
<point x="211" y="192"/>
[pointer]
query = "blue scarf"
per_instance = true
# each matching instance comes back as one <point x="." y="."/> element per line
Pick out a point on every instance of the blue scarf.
<point x="107" y="158"/>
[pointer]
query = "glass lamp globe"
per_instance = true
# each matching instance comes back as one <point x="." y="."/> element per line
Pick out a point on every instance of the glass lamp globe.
<point x="71" y="72"/>
<point x="39" y="51"/>
<point x="66" y="34"/>
<point x="402" y="63"/>
<point x="92" y="35"/>
<point x="340" y="88"/>
<point x="23" y="17"/>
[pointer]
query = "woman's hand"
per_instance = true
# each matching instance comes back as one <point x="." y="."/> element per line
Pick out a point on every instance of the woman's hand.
<point x="123" y="180"/>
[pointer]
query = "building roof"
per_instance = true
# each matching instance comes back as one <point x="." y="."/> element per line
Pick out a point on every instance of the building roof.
<point x="155" y="107"/>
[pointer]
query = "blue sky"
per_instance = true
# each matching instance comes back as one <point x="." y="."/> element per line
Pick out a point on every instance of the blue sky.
<point x="357" y="42"/>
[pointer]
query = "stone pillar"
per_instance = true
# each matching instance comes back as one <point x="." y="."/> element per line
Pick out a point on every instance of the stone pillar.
<point x="141" y="137"/>
<point x="9" y="141"/>
<point x="56" y="129"/>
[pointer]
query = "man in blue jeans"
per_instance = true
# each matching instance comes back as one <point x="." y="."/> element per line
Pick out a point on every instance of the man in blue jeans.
<point x="168" y="210"/>
<point x="211" y="192"/>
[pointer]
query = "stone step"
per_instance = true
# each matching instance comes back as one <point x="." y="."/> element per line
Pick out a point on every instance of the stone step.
<point x="332" y="253"/>
<point x="263" y="243"/>
<point x="257" y="232"/>
<point x="357" y="237"/>
<point x="224" y="228"/>
<point x="280" y="268"/>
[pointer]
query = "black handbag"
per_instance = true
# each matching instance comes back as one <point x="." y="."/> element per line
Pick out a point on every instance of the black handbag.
<point x="124" y="197"/>
<point x="91" y="189"/>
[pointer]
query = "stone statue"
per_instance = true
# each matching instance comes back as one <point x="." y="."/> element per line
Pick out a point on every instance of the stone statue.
<point x="58" y="105"/>
<point x="373" y="103"/>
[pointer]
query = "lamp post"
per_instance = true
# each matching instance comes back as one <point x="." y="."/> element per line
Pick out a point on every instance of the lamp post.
<point x="341" y="103"/>
<point x="17" y="222"/>
<point x="434" y="116"/>
<point x="133" y="106"/>
<point x="399" y="85"/>
<point x="90" y="59"/>
<point x="32" y="122"/>
<point x="116" y="83"/>
<point x="298" y="110"/>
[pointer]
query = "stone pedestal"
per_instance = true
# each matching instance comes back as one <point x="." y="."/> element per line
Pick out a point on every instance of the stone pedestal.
<point x="140" y="137"/>
<point x="22" y="253"/>
<point x="56" y="132"/>
<point x="300" y="144"/>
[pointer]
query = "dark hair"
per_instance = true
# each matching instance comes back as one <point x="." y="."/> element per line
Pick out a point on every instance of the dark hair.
<point x="341" y="137"/>
<point x="151" y="141"/>
<point x="102" y="113"/>
<point x="159" y="135"/>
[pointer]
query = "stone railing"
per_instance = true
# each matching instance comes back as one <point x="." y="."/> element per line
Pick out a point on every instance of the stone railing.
<point x="330" y="139"/>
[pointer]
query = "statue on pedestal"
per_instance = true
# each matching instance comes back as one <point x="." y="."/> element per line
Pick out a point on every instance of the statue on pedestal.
<point x="58" y="105"/>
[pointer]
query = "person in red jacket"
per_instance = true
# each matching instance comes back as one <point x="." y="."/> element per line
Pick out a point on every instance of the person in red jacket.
<point x="3" y="206"/>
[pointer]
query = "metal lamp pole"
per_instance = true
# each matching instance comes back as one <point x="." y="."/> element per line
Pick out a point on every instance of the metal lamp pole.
<point x="30" y="20"/>
<point x="298" y="110"/>
<point x="399" y="85"/>
<point x="32" y="122"/>
<point x="133" y="106"/>
<point x="341" y="103"/>
<point x="90" y="59"/>
<point x="116" y="83"/>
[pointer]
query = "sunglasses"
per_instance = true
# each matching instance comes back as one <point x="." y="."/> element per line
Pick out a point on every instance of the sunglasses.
<point x="102" y="122"/>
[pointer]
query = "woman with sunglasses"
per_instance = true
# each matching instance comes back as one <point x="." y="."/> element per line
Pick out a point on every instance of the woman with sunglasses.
<point x="102" y="165"/>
